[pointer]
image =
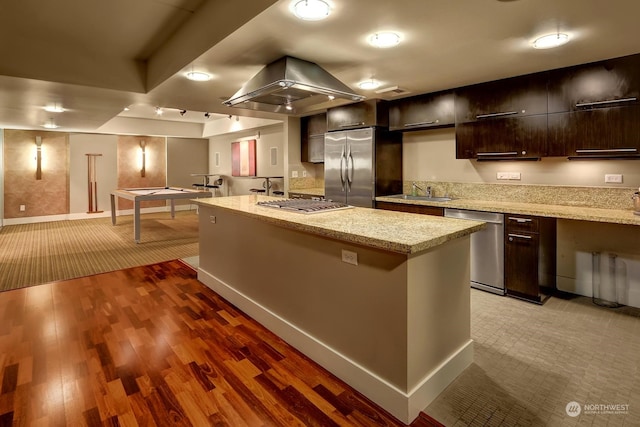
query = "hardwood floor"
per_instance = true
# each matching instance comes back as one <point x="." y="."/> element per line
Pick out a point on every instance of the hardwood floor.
<point x="153" y="346"/>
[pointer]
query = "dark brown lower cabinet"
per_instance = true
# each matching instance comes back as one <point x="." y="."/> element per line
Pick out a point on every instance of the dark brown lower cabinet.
<point x="530" y="257"/>
<point x="406" y="207"/>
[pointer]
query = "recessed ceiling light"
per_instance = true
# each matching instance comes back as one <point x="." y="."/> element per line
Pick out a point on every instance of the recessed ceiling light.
<point x="550" y="40"/>
<point x="384" y="39"/>
<point x="50" y="124"/>
<point x="310" y="10"/>
<point x="55" y="108"/>
<point x="198" y="76"/>
<point x="369" y="84"/>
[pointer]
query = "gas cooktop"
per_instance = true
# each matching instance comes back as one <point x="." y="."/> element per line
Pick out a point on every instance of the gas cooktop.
<point x="306" y="206"/>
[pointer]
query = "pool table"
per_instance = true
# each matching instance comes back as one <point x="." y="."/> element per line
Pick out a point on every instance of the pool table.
<point x="138" y="195"/>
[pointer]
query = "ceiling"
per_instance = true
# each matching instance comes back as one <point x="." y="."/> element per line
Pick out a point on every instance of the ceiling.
<point x="95" y="57"/>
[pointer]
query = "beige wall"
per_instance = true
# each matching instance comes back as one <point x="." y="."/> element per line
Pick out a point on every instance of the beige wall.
<point x="267" y="138"/>
<point x="430" y="156"/>
<point x="184" y="157"/>
<point x="79" y="146"/>
<point x="47" y="196"/>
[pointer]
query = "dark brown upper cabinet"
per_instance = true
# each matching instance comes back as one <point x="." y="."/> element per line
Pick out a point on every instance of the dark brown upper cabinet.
<point x="603" y="84"/>
<point x="508" y="138"/>
<point x="312" y="130"/>
<point x="612" y="132"/>
<point x="513" y="97"/>
<point x="422" y="112"/>
<point x="371" y="112"/>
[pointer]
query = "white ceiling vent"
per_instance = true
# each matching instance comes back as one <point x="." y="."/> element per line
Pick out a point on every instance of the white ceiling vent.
<point x="392" y="91"/>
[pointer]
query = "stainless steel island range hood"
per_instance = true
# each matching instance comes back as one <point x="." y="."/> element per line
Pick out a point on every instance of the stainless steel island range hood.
<point x="289" y="85"/>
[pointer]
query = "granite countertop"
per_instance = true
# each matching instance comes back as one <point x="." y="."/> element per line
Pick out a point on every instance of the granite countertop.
<point x="387" y="230"/>
<point x="315" y="191"/>
<point x="583" y="213"/>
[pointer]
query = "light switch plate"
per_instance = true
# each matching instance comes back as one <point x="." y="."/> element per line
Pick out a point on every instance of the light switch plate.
<point x="514" y="176"/>
<point x="614" y="178"/>
<point x="294" y="174"/>
<point x="502" y="175"/>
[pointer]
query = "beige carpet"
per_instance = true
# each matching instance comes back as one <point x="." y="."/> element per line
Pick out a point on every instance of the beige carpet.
<point x="531" y="361"/>
<point x="32" y="254"/>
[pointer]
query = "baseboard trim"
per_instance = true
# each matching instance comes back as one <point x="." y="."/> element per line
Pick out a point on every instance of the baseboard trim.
<point x="84" y="215"/>
<point x="405" y="406"/>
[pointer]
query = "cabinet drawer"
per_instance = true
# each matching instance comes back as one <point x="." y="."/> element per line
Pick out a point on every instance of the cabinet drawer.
<point x="518" y="223"/>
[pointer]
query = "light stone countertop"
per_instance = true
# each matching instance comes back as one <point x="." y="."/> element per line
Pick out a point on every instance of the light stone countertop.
<point x="582" y="213"/>
<point x="387" y="230"/>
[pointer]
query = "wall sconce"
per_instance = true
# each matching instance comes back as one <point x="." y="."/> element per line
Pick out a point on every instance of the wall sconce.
<point x="144" y="160"/>
<point x="38" y="157"/>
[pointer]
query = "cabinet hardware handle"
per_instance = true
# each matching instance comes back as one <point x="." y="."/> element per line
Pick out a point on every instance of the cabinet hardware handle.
<point x="352" y="124"/>
<point x="609" y="101"/>
<point x="519" y="236"/>
<point x="421" y="123"/>
<point x="486" y="116"/>
<point x="506" y="153"/>
<point x="520" y="219"/>
<point x="606" y="150"/>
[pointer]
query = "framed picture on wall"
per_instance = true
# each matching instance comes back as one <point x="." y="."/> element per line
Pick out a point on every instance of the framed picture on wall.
<point x="243" y="158"/>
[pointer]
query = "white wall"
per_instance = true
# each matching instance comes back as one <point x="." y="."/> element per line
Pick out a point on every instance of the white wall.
<point x="106" y="170"/>
<point x="431" y="156"/>
<point x="267" y="138"/>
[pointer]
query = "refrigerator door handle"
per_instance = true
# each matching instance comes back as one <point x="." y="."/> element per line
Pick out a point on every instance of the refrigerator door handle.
<point x="342" y="169"/>
<point x="349" y="168"/>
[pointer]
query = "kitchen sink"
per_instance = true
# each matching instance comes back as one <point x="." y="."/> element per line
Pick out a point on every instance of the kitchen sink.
<point x="425" y="198"/>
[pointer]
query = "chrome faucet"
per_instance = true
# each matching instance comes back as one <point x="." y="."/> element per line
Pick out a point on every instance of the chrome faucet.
<point x="415" y="187"/>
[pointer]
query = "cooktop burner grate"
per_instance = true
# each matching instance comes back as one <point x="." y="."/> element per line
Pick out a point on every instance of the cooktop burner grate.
<point x="304" y="205"/>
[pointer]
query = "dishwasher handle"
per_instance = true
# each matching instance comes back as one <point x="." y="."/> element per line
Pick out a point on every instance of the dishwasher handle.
<point x="488" y="217"/>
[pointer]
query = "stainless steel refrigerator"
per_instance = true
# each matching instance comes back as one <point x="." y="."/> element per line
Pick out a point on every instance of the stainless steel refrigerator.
<point x="361" y="164"/>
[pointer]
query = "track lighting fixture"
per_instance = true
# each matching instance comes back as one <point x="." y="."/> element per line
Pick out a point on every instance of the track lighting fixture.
<point x="207" y="115"/>
<point x="183" y="112"/>
<point x="230" y="116"/>
<point x="159" y="111"/>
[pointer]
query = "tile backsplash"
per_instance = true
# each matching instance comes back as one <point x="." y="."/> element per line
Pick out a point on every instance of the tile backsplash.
<point x="596" y="197"/>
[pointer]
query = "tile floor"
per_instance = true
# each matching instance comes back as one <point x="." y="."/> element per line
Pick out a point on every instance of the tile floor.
<point x="531" y="361"/>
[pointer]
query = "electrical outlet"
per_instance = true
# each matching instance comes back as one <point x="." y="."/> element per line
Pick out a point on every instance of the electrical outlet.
<point x="23" y="208"/>
<point x="304" y="174"/>
<point x="212" y="219"/>
<point x="294" y="174"/>
<point x="350" y="257"/>
<point x="614" y="178"/>
<point x="502" y="175"/>
<point x="514" y="175"/>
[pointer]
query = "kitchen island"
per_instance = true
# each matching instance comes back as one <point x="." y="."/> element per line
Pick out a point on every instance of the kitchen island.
<point x="381" y="299"/>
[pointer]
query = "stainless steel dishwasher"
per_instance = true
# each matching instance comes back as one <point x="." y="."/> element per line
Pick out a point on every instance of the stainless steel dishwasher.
<point x="487" y="250"/>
